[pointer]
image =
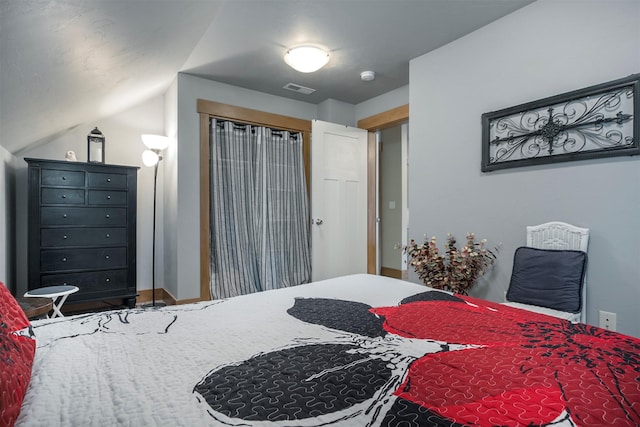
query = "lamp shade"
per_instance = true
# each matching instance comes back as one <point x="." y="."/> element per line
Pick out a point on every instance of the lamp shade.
<point x="156" y="142"/>
<point x="150" y="158"/>
<point x="306" y="59"/>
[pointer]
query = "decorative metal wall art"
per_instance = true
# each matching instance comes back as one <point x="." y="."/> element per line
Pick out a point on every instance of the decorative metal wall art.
<point x="598" y="121"/>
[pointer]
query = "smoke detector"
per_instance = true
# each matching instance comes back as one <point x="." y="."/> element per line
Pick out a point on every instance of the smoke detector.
<point x="367" y="76"/>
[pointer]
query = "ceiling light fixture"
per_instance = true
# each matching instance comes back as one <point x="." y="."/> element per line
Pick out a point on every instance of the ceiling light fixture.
<point x="155" y="144"/>
<point x="306" y="59"/>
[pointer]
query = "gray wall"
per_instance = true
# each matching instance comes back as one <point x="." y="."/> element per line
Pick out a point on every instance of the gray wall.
<point x="547" y="48"/>
<point x="178" y="180"/>
<point x="123" y="146"/>
<point x="7" y="219"/>
<point x="390" y="189"/>
<point x="169" y="269"/>
<point x="186" y="245"/>
<point x="381" y="103"/>
<point x="334" y="111"/>
<point x="182" y="243"/>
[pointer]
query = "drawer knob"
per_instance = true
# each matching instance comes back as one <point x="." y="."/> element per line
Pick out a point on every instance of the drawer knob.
<point x="106" y="257"/>
<point x="64" y="178"/>
<point x="64" y="215"/>
<point x="64" y="196"/>
<point x="107" y="280"/>
<point x="107" y="216"/>
<point x="107" y="235"/>
<point x="108" y="179"/>
<point x="64" y="259"/>
<point x="109" y="197"/>
<point x="64" y="237"/>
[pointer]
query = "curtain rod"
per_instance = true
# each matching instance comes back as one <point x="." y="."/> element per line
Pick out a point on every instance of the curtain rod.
<point x="243" y="126"/>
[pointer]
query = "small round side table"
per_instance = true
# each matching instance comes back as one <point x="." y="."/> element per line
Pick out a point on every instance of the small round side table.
<point x="58" y="294"/>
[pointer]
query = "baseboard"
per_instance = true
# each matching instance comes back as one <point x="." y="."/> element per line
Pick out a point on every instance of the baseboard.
<point x="93" y="306"/>
<point x="391" y="272"/>
<point x="144" y="296"/>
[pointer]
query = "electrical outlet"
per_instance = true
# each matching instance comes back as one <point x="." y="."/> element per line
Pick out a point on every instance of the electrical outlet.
<point x="608" y="320"/>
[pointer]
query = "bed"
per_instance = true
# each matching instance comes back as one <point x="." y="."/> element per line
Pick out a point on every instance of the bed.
<point x="357" y="350"/>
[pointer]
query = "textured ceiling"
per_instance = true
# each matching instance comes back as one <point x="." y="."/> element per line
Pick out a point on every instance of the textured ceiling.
<point x="67" y="62"/>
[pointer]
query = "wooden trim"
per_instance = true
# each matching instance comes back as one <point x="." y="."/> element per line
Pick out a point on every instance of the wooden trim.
<point x="380" y="121"/>
<point x="391" y="272"/>
<point x="70" y="308"/>
<point x="166" y="297"/>
<point x="371" y="203"/>
<point x="306" y="154"/>
<point x="205" y="232"/>
<point x="385" y="119"/>
<point x="208" y="109"/>
<point x="145" y="296"/>
<point x="187" y="301"/>
<point x="255" y="117"/>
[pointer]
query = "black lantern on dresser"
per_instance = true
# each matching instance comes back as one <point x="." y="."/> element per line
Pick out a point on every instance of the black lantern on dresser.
<point x="95" y="146"/>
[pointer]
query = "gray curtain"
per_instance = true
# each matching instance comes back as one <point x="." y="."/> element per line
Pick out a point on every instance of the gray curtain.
<point x="259" y="210"/>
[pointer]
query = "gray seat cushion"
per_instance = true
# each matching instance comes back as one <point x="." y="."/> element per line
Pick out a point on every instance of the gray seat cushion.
<point x="548" y="278"/>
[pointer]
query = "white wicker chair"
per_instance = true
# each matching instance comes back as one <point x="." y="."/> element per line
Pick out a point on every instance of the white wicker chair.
<point x="560" y="235"/>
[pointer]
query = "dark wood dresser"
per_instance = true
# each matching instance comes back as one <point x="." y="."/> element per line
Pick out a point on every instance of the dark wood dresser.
<point x="82" y="229"/>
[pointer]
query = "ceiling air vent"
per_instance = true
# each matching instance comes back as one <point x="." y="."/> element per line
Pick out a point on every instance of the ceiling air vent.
<point x="300" y="89"/>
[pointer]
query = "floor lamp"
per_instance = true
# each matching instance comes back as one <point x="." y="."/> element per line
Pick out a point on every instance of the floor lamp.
<point x="151" y="157"/>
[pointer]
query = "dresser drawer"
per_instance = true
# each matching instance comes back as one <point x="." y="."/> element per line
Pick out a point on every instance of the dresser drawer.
<point x="83" y="216"/>
<point x="95" y="281"/>
<point x="62" y="178"/>
<point x="90" y="236"/>
<point x="106" y="180"/>
<point x="82" y="259"/>
<point x="62" y="196"/>
<point x="106" y="197"/>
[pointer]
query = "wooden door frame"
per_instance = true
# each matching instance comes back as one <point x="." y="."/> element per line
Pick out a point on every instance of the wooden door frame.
<point x="207" y="110"/>
<point x="384" y="120"/>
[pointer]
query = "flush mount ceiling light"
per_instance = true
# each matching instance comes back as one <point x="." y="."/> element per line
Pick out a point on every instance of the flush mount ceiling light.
<point x="306" y="59"/>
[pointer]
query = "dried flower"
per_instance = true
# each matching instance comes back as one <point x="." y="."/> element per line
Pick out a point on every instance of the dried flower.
<point x="457" y="270"/>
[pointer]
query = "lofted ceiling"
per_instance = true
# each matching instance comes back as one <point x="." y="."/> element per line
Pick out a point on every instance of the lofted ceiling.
<point x="68" y="62"/>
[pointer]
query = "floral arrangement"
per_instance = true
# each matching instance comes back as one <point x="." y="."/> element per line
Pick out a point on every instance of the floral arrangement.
<point x="457" y="269"/>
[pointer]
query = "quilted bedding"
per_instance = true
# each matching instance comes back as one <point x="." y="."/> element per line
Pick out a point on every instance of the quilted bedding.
<point x="358" y="350"/>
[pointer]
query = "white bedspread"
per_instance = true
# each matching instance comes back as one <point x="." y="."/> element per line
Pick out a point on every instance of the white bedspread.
<point x="139" y="367"/>
<point x="353" y="351"/>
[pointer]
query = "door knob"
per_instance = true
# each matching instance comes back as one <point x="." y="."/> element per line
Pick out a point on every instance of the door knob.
<point x="319" y="221"/>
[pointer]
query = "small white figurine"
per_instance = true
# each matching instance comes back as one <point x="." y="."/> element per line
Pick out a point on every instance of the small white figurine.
<point x="71" y="156"/>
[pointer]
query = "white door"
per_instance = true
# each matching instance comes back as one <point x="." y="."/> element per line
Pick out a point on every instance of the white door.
<point x="338" y="200"/>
